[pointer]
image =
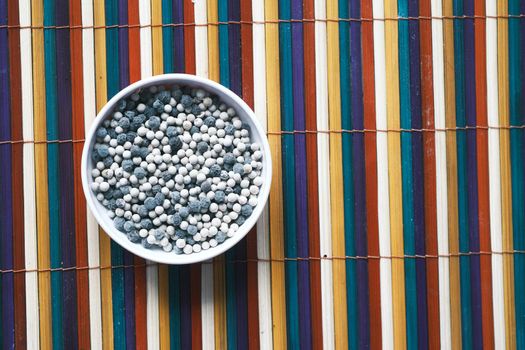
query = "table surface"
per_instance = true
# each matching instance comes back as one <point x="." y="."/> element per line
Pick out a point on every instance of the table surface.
<point x="396" y="213"/>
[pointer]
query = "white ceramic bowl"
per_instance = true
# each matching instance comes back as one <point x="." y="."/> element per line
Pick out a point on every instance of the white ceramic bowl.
<point x="257" y="135"/>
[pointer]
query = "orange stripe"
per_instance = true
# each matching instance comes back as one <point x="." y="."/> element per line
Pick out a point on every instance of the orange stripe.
<point x="189" y="37"/>
<point x="17" y="175"/>
<point x="369" y="109"/>
<point x="140" y="270"/>
<point x="429" y="159"/>
<point x="75" y="17"/>
<point x="312" y="176"/>
<point x="134" y="41"/>
<point x="483" y="174"/>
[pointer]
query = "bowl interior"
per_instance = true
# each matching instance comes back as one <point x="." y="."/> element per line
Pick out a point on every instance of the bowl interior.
<point x="257" y="134"/>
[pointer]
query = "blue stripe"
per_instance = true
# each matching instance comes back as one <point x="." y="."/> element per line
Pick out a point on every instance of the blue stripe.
<point x="53" y="173"/>
<point x="298" y="72"/>
<point x="178" y="37"/>
<point x="6" y="209"/>
<point x="359" y="174"/>
<point x="418" y="175"/>
<point x="234" y="52"/>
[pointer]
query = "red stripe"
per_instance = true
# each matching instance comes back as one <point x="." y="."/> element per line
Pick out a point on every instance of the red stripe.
<point x="75" y="18"/>
<point x="312" y="176"/>
<point x="17" y="175"/>
<point x="429" y="161"/>
<point x="251" y="239"/>
<point x="140" y="270"/>
<point x="483" y="175"/>
<point x="371" y="174"/>
<point x="196" y="320"/>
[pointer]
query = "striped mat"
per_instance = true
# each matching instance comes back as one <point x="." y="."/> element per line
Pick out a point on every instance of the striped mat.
<point x="396" y="217"/>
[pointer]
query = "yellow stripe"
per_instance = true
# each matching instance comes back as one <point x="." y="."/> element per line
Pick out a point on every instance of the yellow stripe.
<point x="452" y="187"/>
<point x="156" y="36"/>
<point x="42" y="209"/>
<point x="158" y="68"/>
<point x="104" y="242"/>
<point x="213" y="41"/>
<point x="164" y="308"/>
<point x="219" y="287"/>
<point x="506" y="189"/>
<point x="100" y="53"/>
<point x="276" y="196"/>
<point x="219" y="306"/>
<point x="394" y="172"/>
<point x="336" y="177"/>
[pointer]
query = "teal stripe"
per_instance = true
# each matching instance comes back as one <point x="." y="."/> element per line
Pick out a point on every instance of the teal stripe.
<point x="224" y="69"/>
<point x="348" y="188"/>
<point x="167" y="36"/>
<point x="517" y="166"/>
<point x="53" y="166"/>
<point x="461" y="139"/>
<point x="407" y="180"/>
<point x="224" y="50"/>
<point x="173" y="271"/>
<point x="117" y="259"/>
<point x="174" y="297"/>
<point x="112" y="54"/>
<point x="117" y="287"/>
<point x="288" y="155"/>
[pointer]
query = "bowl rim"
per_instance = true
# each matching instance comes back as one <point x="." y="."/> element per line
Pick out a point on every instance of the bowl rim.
<point x="158" y="255"/>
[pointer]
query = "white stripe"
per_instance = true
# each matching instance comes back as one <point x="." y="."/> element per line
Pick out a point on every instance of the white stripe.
<point x="263" y="239"/>
<point x="207" y="302"/>
<point x="88" y="65"/>
<point x="383" y="213"/>
<point x="207" y="306"/>
<point x="145" y="38"/>
<point x="201" y="38"/>
<point x="152" y="278"/>
<point x="441" y="174"/>
<point x="30" y="238"/>
<point x="494" y="176"/>
<point x="323" y="151"/>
